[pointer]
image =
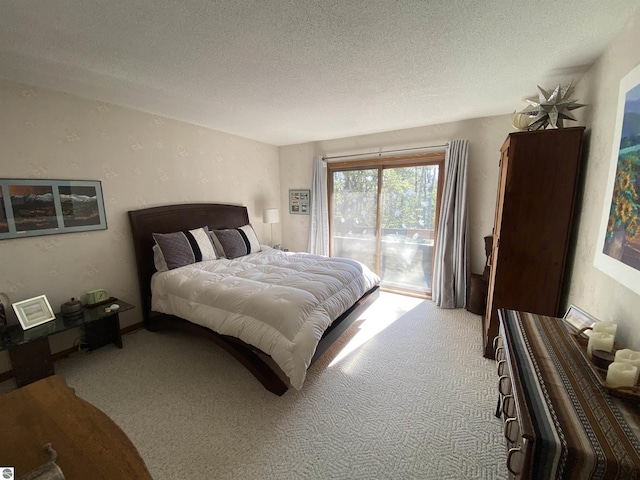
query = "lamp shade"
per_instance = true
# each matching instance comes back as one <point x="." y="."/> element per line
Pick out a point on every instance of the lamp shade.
<point x="271" y="215"/>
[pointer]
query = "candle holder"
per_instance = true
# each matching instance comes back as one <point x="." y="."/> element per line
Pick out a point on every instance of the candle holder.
<point x="602" y="359"/>
<point x="606" y="327"/>
<point x="600" y="341"/>
<point x="599" y="362"/>
<point x="629" y="357"/>
<point x="581" y="336"/>
<point x="620" y="374"/>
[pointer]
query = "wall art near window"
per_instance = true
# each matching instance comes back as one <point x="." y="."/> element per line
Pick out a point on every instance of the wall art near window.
<point x="618" y="248"/>
<point x="30" y="207"/>
<point x="299" y="201"/>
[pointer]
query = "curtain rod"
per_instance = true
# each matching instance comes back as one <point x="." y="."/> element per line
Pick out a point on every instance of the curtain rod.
<point x="385" y="151"/>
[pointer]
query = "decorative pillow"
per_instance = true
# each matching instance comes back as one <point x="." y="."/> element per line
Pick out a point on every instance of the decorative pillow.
<point x="204" y="243"/>
<point x="184" y="248"/>
<point x="158" y="259"/>
<point x="250" y="237"/>
<point x="230" y="243"/>
<point x="236" y="242"/>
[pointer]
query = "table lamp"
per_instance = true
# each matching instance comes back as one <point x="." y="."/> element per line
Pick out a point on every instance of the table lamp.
<point x="271" y="215"/>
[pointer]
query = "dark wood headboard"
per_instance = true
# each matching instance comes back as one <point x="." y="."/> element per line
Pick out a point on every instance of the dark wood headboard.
<point x="175" y="218"/>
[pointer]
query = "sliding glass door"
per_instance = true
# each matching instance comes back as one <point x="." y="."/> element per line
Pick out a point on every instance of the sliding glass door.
<point x="384" y="213"/>
<point x="354" y="215"/>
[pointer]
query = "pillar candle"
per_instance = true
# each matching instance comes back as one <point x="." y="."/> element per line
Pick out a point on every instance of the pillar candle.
<point x="629" y="356"/>
<point x="600" y="341"/>
<point x="606" y="327"/>
<point x="621" y="374"/>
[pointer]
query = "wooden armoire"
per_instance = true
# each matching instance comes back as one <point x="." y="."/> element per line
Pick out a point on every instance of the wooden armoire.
<point x="537" y="187"/>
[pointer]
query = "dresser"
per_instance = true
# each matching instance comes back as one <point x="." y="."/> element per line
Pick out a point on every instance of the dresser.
<point x="538" y="180"/>
<point x="559" y="421"/>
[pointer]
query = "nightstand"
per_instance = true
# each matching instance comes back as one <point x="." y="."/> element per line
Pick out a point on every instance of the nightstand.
<point x="30" y="352"/>
<point x="103" y="327"/>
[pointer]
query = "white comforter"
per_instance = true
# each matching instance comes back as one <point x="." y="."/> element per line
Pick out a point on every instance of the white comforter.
<point x="279" y="302"/>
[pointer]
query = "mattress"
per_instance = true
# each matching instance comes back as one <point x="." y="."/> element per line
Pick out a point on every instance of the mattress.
<point x="280" y="302"/>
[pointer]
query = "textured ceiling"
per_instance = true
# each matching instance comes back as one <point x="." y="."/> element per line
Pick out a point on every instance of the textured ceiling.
<point x="286" y="72"/>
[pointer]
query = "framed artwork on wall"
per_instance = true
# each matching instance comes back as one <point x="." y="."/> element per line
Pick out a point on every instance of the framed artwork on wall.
<point x="618" y="248"/>
<point x="30" y="207"/>
<point x="299" y="202"/>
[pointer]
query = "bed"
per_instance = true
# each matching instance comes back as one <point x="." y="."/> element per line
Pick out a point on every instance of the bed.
<point x="275" y="312"/>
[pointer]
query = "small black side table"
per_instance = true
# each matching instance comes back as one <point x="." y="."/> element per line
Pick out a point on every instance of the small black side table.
<point x="30" y="352"/>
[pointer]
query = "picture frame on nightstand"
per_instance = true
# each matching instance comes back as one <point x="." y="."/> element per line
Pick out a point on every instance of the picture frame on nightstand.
<point x="33" y="312"/>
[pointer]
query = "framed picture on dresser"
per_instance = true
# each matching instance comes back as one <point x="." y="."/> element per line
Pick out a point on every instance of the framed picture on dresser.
<point x="618" y="248"/>
<point x="578" y="318"/>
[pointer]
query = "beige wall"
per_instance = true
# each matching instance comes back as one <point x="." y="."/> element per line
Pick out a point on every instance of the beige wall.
<point x="591" y="289"/>
<point x="485" y="136"/>
<point x="142" y="160"/>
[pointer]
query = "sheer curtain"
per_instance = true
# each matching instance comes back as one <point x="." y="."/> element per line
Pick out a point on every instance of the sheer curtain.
<point x="451" y="258"/>
<point x="319" y="226"/>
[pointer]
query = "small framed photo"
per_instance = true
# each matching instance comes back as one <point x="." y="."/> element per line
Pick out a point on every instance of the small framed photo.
<point x="299" y="202"/>
<point x="33" y="312"/>
<point x="578" y="318"/>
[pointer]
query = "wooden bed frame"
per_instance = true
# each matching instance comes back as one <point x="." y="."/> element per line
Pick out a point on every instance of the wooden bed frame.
<point x="173" y="218"/>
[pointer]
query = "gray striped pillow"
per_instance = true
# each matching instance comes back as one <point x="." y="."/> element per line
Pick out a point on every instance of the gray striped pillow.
<point x="236" y="242"/>
<point x="184" y="248"/>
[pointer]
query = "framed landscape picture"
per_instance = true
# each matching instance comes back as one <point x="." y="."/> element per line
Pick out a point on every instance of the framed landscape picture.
<point x="618" y="248"/>
<point x="30" y="207"/>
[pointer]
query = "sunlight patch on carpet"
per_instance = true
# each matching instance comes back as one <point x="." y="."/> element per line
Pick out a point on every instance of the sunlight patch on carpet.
<point x="384" y="312"/>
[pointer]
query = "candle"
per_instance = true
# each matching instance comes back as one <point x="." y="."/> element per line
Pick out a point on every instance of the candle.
<point x="629" y="356"/>
<point x="600" y="341"/>
<point x="606" y="327"/>
<point x="621" y="374"/>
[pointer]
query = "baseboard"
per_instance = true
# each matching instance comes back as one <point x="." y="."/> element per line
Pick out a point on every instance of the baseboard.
<point x="132" y="328"/>
<point x="65" y="353"/>
<point x="6" y="375"/>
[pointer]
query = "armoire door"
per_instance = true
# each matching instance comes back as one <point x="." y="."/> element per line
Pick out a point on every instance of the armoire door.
<point x="538" y="179"/>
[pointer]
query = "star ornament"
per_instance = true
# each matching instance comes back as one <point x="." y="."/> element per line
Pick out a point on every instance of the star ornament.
<point x="552" y="108"/>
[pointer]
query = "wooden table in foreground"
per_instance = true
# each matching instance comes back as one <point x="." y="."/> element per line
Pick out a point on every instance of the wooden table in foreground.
<point x="89" y="444"/>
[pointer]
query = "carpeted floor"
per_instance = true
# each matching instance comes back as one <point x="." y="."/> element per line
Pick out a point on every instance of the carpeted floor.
<point x="406" y="394"/>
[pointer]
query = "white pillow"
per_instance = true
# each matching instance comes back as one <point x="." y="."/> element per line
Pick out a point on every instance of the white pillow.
<point x="202" y="238"/>
<point x="158" y="259"/>
<point x="252" y="238"/>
